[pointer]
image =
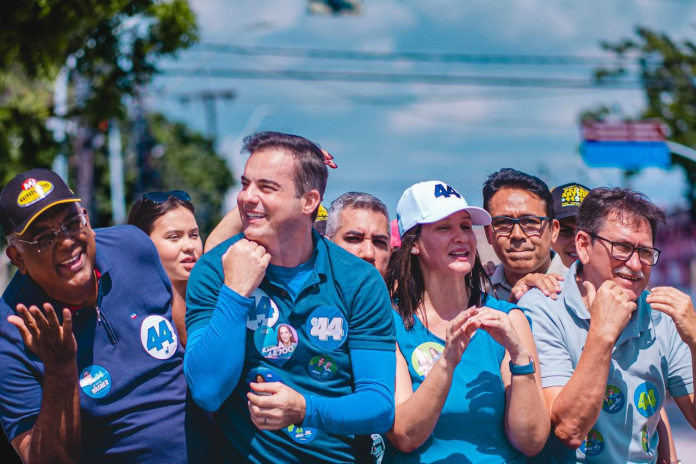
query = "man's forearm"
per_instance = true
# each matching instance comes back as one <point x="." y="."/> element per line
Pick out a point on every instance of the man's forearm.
<point x="56" y="435"/>
<point x="571" y="423"/>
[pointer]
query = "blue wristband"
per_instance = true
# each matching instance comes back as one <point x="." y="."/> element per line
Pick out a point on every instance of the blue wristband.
<point x="524" y="369"/>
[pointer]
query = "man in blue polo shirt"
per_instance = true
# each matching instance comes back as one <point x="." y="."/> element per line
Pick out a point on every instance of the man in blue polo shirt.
<point x="610" y="350"/>
<point x="90" y="362"/>
<point x="274" y="301"/>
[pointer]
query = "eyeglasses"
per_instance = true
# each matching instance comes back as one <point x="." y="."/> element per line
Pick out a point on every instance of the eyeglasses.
<point x="161" y="197"/>
<point x="530" y="225"/>
<point x="623" y="251"/>
<point x="73" y="227"/>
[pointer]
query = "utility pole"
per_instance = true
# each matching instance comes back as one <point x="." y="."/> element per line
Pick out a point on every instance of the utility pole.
<point x="209" y="99"/>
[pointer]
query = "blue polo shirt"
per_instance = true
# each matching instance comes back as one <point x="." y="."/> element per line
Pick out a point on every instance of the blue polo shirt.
<point x="133" y="395"/>
<point x="303" y="342"/>
<point x="648" y="359"/>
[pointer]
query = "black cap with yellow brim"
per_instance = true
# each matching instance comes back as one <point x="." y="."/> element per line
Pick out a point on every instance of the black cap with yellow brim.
<point x="28" y="195"/>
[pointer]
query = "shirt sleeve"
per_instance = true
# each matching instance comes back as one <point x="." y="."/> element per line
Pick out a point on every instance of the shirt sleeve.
<point x="216" y="324"/>
<point x="369" y="409"/>
<point x="371" y="324"/>
<point x="555" y="362"/>
<point x="680" y="379"/>
<point x="20" y="388"/>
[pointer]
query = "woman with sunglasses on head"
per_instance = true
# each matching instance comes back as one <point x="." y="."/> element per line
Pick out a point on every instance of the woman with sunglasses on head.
<point x="481" y="400"/>
<point x="168" y="218"/>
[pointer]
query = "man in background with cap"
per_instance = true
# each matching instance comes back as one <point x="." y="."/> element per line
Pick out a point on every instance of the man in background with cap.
<point x="521" y="233"/>
<point x="91" y="368"/>
<point x="566" y="203"/>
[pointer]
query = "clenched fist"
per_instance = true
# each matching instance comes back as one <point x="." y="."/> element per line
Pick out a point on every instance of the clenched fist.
<point x="610" y="309"/>
<point x="244" y="265"/>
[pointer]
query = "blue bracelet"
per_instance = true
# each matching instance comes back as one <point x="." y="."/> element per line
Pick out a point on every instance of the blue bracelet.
<point x="524" y="369"/>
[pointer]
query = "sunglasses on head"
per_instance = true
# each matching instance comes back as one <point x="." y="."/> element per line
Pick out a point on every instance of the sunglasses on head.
<point x="161" y="197"/>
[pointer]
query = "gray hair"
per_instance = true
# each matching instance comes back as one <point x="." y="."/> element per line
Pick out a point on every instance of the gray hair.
<point x="13" y="240"/>
<point x="353" y="200"/>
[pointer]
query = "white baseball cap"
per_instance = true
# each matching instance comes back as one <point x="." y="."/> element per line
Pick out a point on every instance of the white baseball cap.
<point x="431" y="201"/>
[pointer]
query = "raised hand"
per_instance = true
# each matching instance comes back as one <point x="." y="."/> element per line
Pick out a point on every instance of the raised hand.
<point x="610" y="309"/>
<point x="679" y="307"/>
<point x="278" y="407"/>
<point x="244" y="264"/>
<point x="458" y="334"/>
<point x="499" y="327"/>
<point x="54" y="344"/>
<point x="547" y="283"/>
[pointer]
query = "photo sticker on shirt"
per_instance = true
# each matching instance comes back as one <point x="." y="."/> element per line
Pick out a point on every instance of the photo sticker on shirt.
<point x="645" y="439"/>
<point x="263" y="313"/>
<point x="327" y="327"/>
<point x="614" y="399"/>
<point x="302" y="435"/>
<point x="322" y="368"/>
<point x="593" y="444"/>
<point x="95" y="381"/>
<point x="262" y="375"/>
<point x="158" y="337"/>
<point x="424" y="357"/>
<point x="277" y="345"/>
<point x="646" y="399"/>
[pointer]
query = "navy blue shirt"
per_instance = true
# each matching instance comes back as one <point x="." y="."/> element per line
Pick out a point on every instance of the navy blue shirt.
<point x="133" y="396"/>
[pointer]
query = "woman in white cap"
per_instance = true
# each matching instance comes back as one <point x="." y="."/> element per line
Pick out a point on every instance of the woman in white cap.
<point x="481" y="401"/>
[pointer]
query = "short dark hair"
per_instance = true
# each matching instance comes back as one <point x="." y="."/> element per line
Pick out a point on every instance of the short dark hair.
<point x="623" y="204"/>
<point x="310" y="171"/>
<point x="353" y="200"/>
<point x="508" y="178"/>
<point x="144" y="212"/>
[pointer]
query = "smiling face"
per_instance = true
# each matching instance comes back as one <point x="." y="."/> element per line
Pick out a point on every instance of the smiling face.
<point x="599" y="265"/>
<point x="565" y="242"/>
<point x="175" y="234"/>
<point x="448" y="245"/>
<point x="65" y="270"/>
<point x="519" y="253"/>
<point x="270" y="208"/>
<point x="284" y="335"/>
<point x="365" y="234"/>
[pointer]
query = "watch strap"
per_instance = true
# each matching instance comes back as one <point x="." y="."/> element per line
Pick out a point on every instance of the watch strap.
<point x="524" y="369"/>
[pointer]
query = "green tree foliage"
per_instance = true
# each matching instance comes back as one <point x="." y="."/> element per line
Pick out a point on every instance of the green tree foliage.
<point x="178" y="159"/>
<point x="113" y="45"/>
<point x="667" y="70"/>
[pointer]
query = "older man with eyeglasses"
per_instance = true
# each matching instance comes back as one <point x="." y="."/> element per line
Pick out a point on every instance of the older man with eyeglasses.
<point x="90" y="362"/>
<point x="609" y="349"/>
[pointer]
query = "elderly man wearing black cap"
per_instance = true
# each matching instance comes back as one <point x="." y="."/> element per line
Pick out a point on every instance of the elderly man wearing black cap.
<point x="90" y="362"/>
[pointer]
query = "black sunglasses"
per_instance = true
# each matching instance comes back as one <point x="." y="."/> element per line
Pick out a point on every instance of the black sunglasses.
<point x="161" y="197"/>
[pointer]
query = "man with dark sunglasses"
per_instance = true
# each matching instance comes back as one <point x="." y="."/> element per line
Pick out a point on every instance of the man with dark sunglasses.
<point x="606" y="336"/>
<point x="521" y="232"/>
<point x="90" y="362"/>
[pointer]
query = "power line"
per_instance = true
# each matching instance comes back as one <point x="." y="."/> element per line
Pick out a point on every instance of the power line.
<point x="404" y="78"/>
<point x="420" y="57"/>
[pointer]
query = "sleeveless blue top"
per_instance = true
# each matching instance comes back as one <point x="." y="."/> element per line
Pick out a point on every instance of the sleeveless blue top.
<point x="471" y="427"/>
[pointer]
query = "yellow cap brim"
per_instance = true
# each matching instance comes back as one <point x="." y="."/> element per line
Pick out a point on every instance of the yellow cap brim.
<point x="38" y="213"/>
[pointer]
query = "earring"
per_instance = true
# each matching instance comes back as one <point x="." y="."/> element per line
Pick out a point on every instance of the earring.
<point x="414" y="251"/>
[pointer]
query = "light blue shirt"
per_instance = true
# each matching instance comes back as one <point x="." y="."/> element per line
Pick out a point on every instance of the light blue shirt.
<point x="648" y="358"/>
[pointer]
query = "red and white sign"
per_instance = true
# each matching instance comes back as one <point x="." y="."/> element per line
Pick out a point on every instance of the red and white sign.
<point x="638" y="131"/>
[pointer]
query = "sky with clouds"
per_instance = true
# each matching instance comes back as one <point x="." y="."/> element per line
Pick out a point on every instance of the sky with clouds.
<point x="387" y="136"/>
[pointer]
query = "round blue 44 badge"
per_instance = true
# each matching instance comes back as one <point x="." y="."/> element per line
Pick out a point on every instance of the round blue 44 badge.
<point x="646" y="399"/>
<point x="95" y="381"/>
<point x="327" y="327"/>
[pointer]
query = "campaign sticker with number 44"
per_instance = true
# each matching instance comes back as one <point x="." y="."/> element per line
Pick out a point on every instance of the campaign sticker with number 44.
<point x="327" y="327"/>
